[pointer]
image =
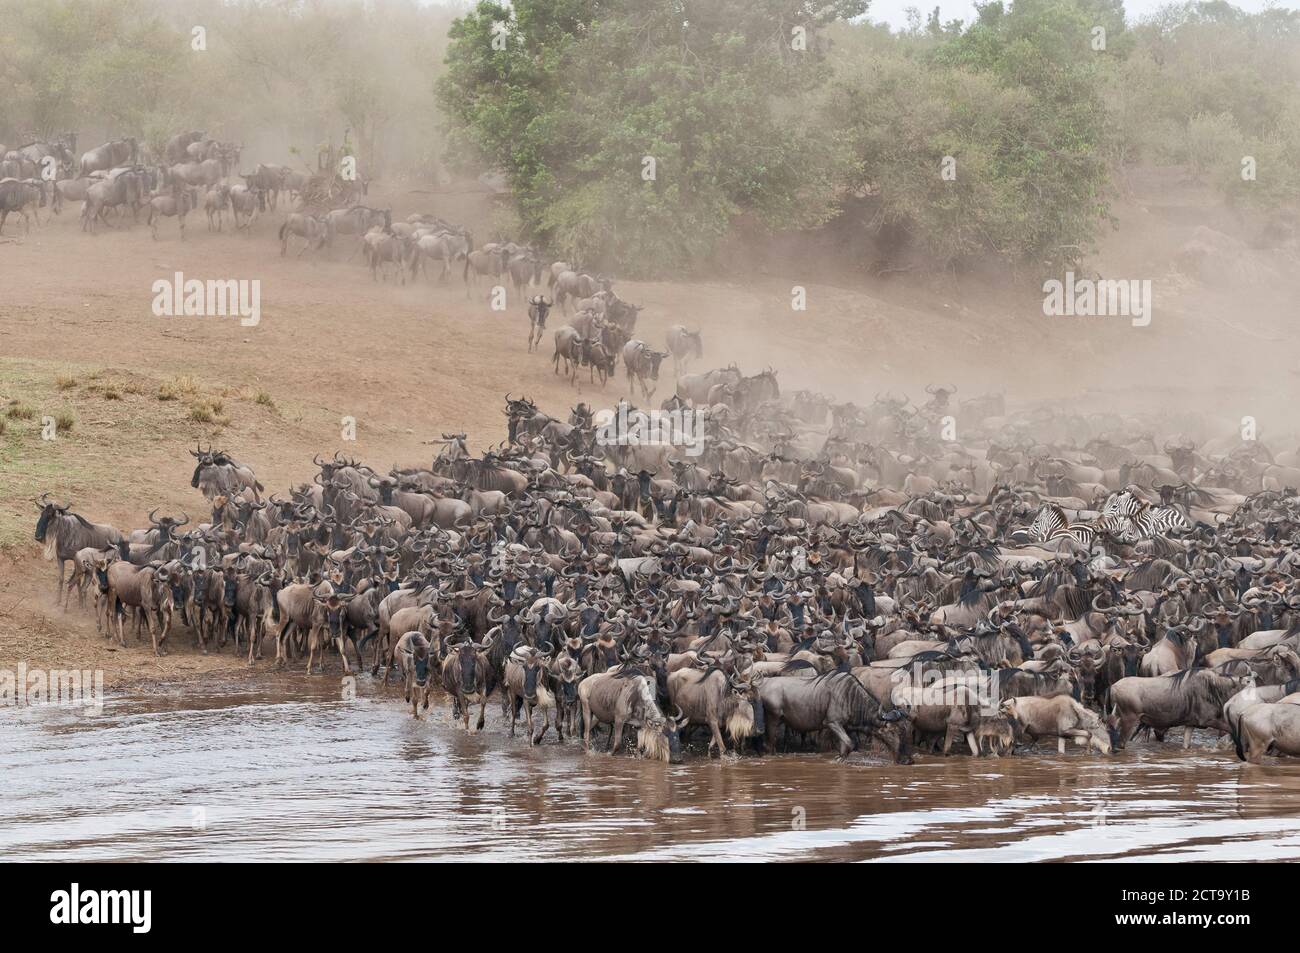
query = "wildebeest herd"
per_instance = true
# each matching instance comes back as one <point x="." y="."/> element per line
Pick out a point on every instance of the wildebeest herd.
<point x="120" y="179"/>
<point x="821" y="575"/>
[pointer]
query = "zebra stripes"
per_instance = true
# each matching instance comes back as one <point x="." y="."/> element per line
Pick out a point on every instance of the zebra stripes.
<point x="1144" y="520"/>
<point x="1124" y="517"/>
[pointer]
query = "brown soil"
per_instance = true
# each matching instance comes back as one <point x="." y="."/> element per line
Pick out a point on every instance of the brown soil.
<point x="77" y="334"/>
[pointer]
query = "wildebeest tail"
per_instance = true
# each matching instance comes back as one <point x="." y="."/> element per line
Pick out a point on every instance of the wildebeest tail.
<point x="1235" y="731"/>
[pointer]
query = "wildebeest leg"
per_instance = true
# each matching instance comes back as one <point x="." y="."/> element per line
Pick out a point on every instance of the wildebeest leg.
<point x="616" y="734"/>
<point x="546" y="723"/>
<point x="716" y="729"/>
<point x="586" y="725"/>
<point x="846" y="743"/>
<point x="343" y="654"/>
<point x="281" y="648"/>
<point x="482" y="711"/>
<point x="1187" y="737"/>
<point x="1060" y="745"/>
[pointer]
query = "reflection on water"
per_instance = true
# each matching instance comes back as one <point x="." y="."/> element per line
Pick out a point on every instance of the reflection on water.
<point x="293" y="773"/>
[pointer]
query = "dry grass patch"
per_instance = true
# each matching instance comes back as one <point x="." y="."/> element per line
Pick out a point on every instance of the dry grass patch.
<point x="182" y="385"/>
<point x="20" y="411"/>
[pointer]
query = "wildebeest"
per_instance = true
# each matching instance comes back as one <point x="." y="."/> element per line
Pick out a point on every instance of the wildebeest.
<point x="443" y="247"/>
<point x="642" y="363"/>
<point x="411" y="654"/>
<point x="315" y="232"/>
<point x="1266" y="728"/>
<point x="267" y="180"/>
<point x="1058" y="716"/>
<point x="1189" y="699"/>
<point x="217" y="474"/>
<point x="836" y="702"/>
<point x="244" y="204"/>
<point x="525" y="687"/>
<point x="65" y="533"/>
<point x="176" y="149"/>
<point x="116" y="152"/>
<point x="177" y="204"/>
<point x="215" y="202"/>
<point x="715" y="698"/>
<point x="382" y="247"/>
<point x="121" y="187"/>
<point x="147" y="590"/>
<point x="626" y="696"/>
<point x="466" y="674"/>
<point x="684" y="346"/>
<point x="538" y="308"/>
<point x="482" y="262"/>
<point x="23" y="196"/>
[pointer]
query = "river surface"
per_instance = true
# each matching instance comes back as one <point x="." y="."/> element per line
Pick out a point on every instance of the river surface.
<point x="290" y="771"/>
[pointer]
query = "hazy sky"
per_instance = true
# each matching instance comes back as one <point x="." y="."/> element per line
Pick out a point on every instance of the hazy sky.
<point x="894" y="12"/>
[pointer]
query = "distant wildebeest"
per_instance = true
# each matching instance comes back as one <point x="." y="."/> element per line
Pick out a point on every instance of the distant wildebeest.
<point x="381" y="247"/>
<point x="122" y="187"/>
<point x="176" y="204"/>
<point x="642" y="363"/>
<point x="525" y="268"/>
<point x="118" y="152"/>
<point x="24" y="196"/>
<point x="147" y="590"/>
<point x="266" y="179"/>
<point x="443" y="247"/>
<point x="215" y="202"/>
<point x="483" y="262"/>
<point x="244" y="204"/>
<point x="538" y="309"/>
<point x="684" y="346"/>
<point x="357" y="220"/>
<point x="315" y="232"/>
<point x="570" y="284"/>
<point x="176" y="149"/>
<point x="65" y="533"/>
<point x="568" y="347"/>
<point x="69" y="190"/>
<point x="216" y="474"/>
<point x="196" y="174"/>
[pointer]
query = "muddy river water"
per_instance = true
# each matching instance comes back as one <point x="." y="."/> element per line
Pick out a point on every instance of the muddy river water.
<point x="291" y="772"/>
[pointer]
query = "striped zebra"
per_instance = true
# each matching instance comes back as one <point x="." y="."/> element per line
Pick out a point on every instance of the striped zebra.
<point x="1051" y="524"/>
<point x="1152" y="521"/>
<point x="1145" y="520"/>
